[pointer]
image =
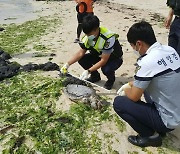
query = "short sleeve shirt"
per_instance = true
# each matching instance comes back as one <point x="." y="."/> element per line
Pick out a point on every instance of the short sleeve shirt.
<point x="158" y="73"/>
<point x="108" y="46"/>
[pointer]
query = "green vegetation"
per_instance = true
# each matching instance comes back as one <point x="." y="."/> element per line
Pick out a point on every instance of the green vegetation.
<point x="28" y="106"/>
<point x="40" y="47"/>
<point x="15" y="38"/>
<point x="120" y="124"/>
<point x="31" y="122"/>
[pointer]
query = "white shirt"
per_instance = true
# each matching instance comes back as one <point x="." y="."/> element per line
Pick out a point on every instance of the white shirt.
<point x="158" y="73"/>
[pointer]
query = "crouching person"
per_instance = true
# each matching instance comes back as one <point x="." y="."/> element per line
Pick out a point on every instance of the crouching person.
<point x="105" y="52"/>
<point x="157" y="76"/>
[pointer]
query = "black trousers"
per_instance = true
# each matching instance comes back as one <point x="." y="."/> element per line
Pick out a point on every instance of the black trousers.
<point x="88" y="60"/>
<point x="143" y="117"/>
<point x="174" y="35"/>
<point x="80" y="17"/>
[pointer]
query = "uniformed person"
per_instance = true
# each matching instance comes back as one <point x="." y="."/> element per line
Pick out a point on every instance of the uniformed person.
<point x="174" y="33"/>
<point x="105" y="52"/>
<point x="157" y="76"/>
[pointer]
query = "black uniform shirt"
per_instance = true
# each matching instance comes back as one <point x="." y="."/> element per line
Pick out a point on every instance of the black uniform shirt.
<point x="175" y="5"/>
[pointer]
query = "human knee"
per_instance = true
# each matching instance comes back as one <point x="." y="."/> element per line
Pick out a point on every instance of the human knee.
<point x="118" y="103"/>
<point x="82" y="61"/>
<point x="107" y="71"/>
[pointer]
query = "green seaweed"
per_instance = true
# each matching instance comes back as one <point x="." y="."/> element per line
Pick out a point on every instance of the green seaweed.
<point x="16" y="37"/>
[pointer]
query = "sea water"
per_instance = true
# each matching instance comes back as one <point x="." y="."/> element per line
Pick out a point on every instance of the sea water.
<point x="17" y="11"/>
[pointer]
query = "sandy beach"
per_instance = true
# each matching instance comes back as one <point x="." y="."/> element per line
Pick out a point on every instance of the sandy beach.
<point x="117" y="15"/>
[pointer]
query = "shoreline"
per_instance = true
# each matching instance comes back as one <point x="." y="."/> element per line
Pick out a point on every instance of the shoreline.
<point x="37" y="7"/>
<point x="160" y="6"/>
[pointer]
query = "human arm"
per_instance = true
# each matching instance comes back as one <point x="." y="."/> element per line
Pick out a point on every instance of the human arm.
<point x="134" y="93"/>
<point x="102" y="62"/>
<point x="168" y="20"/>
<point x="106" y="53"/>
<point x="131" y="91"/>
<point x="121" y="90"/>
<point x="77" y="56"/>
<point x="141" y="82"/>
<point x="99" y="64"/>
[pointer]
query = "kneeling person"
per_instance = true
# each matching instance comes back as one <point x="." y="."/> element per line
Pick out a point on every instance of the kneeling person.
<point x="157" y="76"/>
<point x="105" y="52"/>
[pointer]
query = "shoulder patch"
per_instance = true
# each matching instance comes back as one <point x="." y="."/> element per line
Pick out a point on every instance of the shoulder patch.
<point x="106" y="45"/>
<point x="109" y="43"/>
<point x="137" y="68"/>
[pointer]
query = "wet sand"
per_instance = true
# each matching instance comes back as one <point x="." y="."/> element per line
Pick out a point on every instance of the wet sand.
<point x="19" y="11"/>
<point x="157" y="6"/>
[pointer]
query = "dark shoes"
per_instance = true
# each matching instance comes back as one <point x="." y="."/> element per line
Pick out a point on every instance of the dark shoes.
<point x="162" y="134"/>
<point x="154" y="140"/>
<point x="76" y="40"/>
<point x="109" y="84"/>
<point x="94" y="78"/>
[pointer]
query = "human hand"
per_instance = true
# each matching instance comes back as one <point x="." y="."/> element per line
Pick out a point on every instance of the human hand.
<point x="84" y="75"/>
<point x="169" y="18"/>
<point x="121" y="92"/>
<point x="64" y="69"/>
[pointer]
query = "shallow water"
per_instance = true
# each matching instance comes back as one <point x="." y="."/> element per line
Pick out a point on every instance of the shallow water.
<point x="17" y="11"/>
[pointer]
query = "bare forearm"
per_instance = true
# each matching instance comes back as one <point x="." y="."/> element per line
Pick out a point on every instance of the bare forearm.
<point x="102" y="62"/>
<point x="134" y="93"/>
<point x="76" y="57"/>
<point x="128" y="92"/>
<point x="97" y="66"/>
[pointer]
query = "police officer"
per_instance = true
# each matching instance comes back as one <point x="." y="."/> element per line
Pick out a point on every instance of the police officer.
<point x="157" y="76"/>
<point x="105" y="52"/>
<point x="174" y="33"/>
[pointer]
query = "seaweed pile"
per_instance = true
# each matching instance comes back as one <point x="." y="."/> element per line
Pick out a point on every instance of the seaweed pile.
<point x="9" y="69"/>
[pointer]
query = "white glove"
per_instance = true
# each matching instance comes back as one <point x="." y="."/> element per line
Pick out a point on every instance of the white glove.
<point x="84" y="75"/>
<point x="121" y="92"/>
<point x="64" y="69"/>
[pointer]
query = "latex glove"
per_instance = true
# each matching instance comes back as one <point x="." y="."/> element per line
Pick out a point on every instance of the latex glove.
<point x="84" y="75"/>
<point x="64" y="69"/>
<point x="121" y="90"/>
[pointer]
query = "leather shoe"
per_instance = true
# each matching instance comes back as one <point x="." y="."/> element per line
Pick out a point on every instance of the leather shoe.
<point x="76" y="40"/>
<point x="109" y="84"/>
<point x="154" y="140"/>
